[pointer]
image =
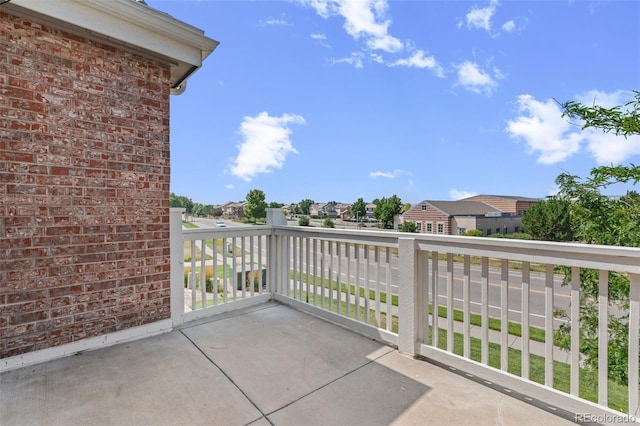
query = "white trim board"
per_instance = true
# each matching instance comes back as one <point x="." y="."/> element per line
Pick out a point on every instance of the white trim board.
<point x="88" y="344"/>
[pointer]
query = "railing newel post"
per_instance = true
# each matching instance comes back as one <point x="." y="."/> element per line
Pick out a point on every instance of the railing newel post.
<point x="275" y="217"/>
<point x="176" y="254"/>
<point x="410" y="302"/>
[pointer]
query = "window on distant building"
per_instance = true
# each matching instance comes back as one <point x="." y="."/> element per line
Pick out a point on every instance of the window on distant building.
<point x="516" y="229"/>
<point x="424" y="207"/>
<point x="429" y="227"/>
<point x="440" y="228"/>
<point x="462" y="230"/>
<point x="419" y="226"/>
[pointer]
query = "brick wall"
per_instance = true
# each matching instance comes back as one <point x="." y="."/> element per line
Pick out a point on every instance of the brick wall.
<point x="84" y="188"/>
<point x="431" y="215"/>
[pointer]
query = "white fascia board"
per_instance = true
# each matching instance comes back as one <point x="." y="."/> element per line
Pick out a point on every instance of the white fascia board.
<point x="130" y="24"/>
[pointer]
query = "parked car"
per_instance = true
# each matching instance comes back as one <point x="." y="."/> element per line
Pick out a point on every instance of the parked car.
<point x="220" y="224"/>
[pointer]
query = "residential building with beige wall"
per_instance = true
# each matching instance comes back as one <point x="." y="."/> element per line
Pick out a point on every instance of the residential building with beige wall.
<point x="487" y="213"/>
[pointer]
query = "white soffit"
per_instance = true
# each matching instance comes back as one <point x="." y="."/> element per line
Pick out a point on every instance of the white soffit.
<point x="129" y="24"/>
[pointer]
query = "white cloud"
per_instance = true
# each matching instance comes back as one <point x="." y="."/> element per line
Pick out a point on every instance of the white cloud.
<point x="381" y="174"/>
<point x="321" y="39"/>
<point x="606" y="100"/>
<point x="355" y="59"/>
<point x="364" y="20"/>
<point x="480" y="18"/>
<point x="546" y="132"/>
<point x="390" y="175"/>
<point x="266" y="143"/>
<point x="273" y="21"/>
<point x="229" y="186"/>
<point x="324" y="8"/>
<point x="386" y="43"/>
<point x="367" y="22"/>
<point x="419" y="60"/>
<point x="509" y="26"/>
<point x="472" y="78"/>
<point x="367" y="18"/>
<point x="456" y="194"/>
<point x="607" y="148"/>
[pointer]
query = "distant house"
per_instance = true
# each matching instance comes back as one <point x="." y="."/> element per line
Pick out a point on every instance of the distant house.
<point x="233" y="210"/>
<point x="84" y="169"/>
<point x="343" y="211"/>
<point x="457" y="217"/>
<point x="323" y="210"/>
<point x="506" y="203"/>
<point x="369" y="211"/>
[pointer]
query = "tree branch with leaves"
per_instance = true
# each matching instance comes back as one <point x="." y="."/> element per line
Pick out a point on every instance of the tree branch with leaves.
<point x="600" y="219"/>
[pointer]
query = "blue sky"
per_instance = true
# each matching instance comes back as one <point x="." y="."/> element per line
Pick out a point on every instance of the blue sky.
<point x="334" y="100"/>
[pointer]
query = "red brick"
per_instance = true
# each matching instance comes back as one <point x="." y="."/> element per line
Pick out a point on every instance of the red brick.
<point x="84" y="166"/>
<point x="28" y="317"/>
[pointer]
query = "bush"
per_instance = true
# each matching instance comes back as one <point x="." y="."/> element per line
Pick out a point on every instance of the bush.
<point x="409" y="226"/>
<point x="328" y="223"/>
<point x="473" y="233"/>
<point x="304" y="221"/>
<point x="208" y="280"/>
<point x="253" y="276"/>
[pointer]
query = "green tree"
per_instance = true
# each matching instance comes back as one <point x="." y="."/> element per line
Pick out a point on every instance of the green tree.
<point x="549" y="220"/>
<point x="409" y="226"/>
<point x="305" y="206"/>
<point x="216" y="212"/>
<point x="293" y="210"/>
<point x="620" y="120"/>
<point x="600" y="219"/>
<point x="256" y="205"/>
<point x="181" y="201"/>
<point x="359" y="209"/>
<point x="405" y="208"/>
<point x="275" y="205"/>
<point x="386" y="209"/>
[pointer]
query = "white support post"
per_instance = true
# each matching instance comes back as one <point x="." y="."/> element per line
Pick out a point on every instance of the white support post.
<point x="176" y="253"/>
<point x="410" y="306"/>
<point x="275" y="217"/>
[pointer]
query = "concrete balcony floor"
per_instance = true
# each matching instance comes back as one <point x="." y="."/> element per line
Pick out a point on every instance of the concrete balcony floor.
<point x="269" y="364"/>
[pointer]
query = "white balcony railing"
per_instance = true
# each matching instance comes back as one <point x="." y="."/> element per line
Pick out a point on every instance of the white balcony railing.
<point x="484" y="306"/>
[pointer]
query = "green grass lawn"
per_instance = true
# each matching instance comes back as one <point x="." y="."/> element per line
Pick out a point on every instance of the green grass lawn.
<point x="515" y="329"/>
<point x="618" y="394"/>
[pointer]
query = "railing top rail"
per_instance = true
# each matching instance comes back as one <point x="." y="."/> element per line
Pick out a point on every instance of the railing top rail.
<point x="379" y="238"/>
<point x="232" y="231"/>
<point x="611" y="258"/>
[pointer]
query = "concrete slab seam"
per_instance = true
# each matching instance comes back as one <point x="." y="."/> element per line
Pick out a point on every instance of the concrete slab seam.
<point x="228" y="378"/>
<point x="348" y="373"/>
